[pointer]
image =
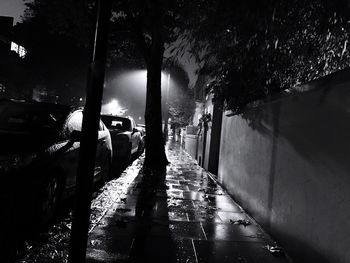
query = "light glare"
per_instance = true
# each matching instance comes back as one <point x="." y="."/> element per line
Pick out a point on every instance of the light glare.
<point x="113" y="108"/>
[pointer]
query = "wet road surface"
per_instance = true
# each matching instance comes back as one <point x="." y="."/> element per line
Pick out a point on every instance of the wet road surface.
<point x="186" y="218"/>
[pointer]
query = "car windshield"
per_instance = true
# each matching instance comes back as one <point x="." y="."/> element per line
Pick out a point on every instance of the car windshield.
<point x="28" y="117"/>
<point x="119" y="123"/>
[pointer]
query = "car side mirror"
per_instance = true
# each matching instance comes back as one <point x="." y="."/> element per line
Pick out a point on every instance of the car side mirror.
<point x="134" y="130"/>
<point x="75" y="136"/>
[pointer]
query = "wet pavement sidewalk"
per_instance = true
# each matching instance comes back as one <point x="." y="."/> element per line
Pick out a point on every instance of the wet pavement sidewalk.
<point x="187" y="218"/>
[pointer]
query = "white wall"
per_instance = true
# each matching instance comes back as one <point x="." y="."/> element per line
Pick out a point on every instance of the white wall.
<point x="288" y="163"/>
<point x="191" y="145"/>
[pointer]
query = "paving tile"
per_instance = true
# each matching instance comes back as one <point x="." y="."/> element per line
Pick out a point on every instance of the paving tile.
<point x="193" y="195"/>
<point x="178" y="216"/>
<point x="230" y="217"/>
<point x="116" y="229"/>
<point x="226" y="206"/>
<point x="194" y="187"/>
<point x="160" y="209"/>
<point x="171" y="193"/>
<point x="165" y="249"/>
<point x="158" y="250"/>
<point x="173" y="181"/>
<point x="211" y="207"/>
<point x="193" y="212"/>
<point x="123" y="210"/>
<point x="161" y="193"/>
<point x="133" y="191"/>
<point x="190" y="230"/>
<point x="160" y="229"/>
<point x="185" y="181"/>
<point x="203" y="215"/>
<point x="102" y="256"/>
<point x="234" y="252"/>
<point x="179" y="187"/>
<point x="209" y="218"/>
<point x="215" y="199"/>
<point x="232" y="232"/>
<point x="184" y="251"/>
<point x="111" y="244"/>
<point x="214" y="191"/>
<point x="174" y="204"/>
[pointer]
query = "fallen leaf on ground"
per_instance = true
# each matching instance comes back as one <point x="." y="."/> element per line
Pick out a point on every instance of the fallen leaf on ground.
<point x="95" y="242"/>
<point x="240" y="222"/>
<point x="275" y="250"/>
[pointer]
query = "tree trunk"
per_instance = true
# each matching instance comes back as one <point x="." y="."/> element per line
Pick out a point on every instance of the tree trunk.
<point x="155" y="152"/>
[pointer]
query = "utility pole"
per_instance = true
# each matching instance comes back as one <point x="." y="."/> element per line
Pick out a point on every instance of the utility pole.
<point x="88" y="143"/>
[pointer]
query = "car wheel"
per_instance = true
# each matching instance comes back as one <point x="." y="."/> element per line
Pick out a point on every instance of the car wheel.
<point x="139" y="149"/>
<point x="128" y="157"/>
<point x="50" y="199"/>
<point x="106" y="170"/>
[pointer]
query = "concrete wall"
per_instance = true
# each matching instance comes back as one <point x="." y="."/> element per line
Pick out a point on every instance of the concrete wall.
<point x="287" y="162"/>
<point x="191" y="145"/>
<point x="209" y="138"/>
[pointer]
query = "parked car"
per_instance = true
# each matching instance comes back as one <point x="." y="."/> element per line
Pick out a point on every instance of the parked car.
<point x="39" y="153"/>
<point x="126" y="138"/>
<point x="142" y="130"/>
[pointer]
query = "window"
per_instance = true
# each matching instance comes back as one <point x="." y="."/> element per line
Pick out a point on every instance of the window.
<point x="21" y="51"/>
<point x="2" y="88"/>
<point x="119" y="123"/>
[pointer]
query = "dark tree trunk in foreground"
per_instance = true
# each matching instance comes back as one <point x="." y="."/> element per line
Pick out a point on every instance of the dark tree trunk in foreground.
<point x="148" y="29"/>
<point x="147" y="24"/>
<point x="155" y="153"/>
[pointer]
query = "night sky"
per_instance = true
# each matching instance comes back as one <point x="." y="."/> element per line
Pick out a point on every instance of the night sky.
<point x="14" y="8"/>
<point x="130" y="96"/>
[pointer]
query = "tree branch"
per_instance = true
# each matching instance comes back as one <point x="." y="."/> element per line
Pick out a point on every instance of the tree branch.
<point x="140" y="40"/>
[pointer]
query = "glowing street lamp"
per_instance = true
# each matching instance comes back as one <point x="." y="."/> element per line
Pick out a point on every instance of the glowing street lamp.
<point x="113" y="108"/>
<point x="136" y="82"/>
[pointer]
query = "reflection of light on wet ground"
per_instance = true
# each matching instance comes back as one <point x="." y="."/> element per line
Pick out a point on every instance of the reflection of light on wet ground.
<point x="201" y="211"/>
<point x="114" y="191"/>
<point x="191" y="219"/>
<point x="231" y="232"/>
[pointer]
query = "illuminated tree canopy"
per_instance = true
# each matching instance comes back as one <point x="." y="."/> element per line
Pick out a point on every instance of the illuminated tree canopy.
<point x="252" y="48"/>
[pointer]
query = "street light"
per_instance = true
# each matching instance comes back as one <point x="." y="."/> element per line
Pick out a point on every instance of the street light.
<point x="136" y="81"/>
<point x="113" y="108"/>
